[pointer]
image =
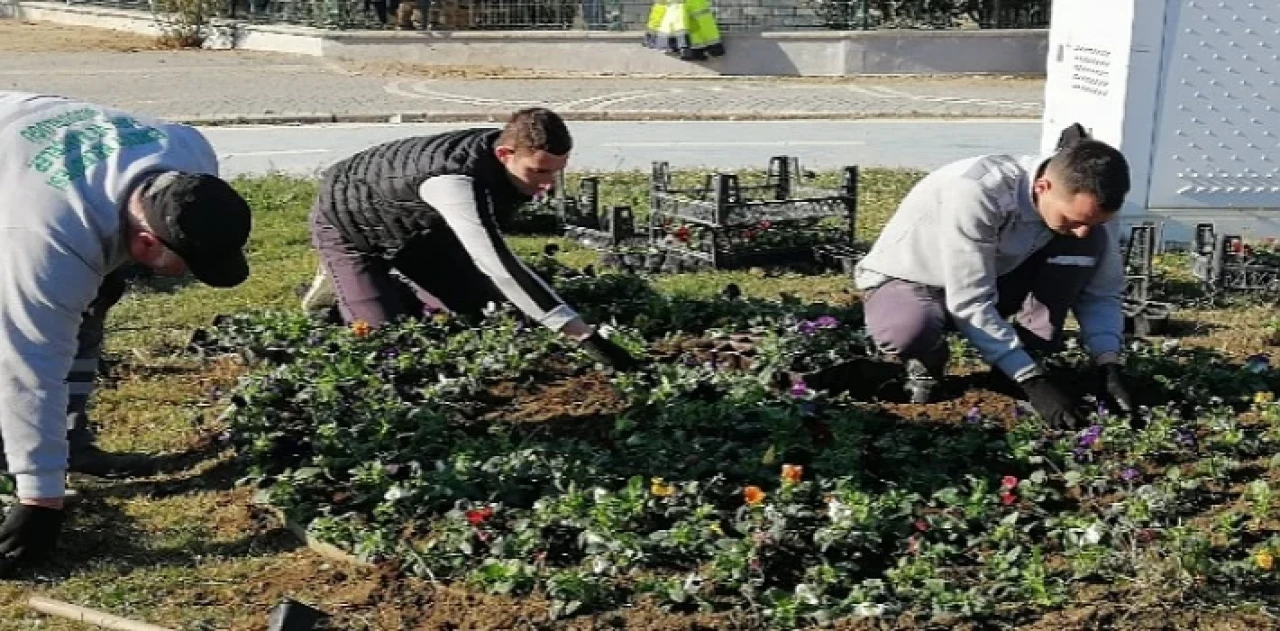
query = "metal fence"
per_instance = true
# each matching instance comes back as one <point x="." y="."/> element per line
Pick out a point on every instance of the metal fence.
<point x="625" y="15"/>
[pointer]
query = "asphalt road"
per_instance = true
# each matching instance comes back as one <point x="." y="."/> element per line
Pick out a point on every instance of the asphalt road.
<point x="229" y="87"/>
<point x="608" y="146"/>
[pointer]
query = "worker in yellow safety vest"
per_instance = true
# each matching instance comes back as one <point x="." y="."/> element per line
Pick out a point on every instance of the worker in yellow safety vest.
<point x="684" y="27"/>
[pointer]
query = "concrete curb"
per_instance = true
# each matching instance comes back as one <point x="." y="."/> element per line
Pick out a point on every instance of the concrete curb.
<point x="621" y="115"/>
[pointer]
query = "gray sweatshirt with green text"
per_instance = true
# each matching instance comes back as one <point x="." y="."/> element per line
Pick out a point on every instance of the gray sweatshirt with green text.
<point x="66" y="171"/>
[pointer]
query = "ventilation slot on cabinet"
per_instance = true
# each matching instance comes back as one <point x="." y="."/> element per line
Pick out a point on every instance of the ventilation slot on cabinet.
<point x="1091" y="70"/>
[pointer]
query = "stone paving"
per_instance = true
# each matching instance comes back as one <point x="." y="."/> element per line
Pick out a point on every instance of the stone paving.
<point x="212" y="87"/>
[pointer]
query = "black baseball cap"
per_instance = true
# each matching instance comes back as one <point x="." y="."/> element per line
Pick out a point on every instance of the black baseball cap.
<point x="204" y="221"/>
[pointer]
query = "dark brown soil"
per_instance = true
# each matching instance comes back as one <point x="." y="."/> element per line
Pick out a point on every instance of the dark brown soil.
<point x="566" y="398"/>
<point x="1111" y="615"/>
<point x="360" y="598"/>
<point x="955" y="410"/>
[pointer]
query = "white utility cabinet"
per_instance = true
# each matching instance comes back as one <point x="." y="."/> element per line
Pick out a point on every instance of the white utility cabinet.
<point x="1189" y="90"/>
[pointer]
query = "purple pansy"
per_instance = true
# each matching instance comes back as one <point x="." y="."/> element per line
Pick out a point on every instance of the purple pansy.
<point x="799" y="389"/>
<point x="1090" y="436"/>
<point x="826" y="322"/>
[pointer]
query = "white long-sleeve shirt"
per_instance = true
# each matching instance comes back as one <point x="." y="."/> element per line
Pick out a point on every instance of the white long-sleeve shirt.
<point x="463" y="205"/>
<point x="66" y="171"/>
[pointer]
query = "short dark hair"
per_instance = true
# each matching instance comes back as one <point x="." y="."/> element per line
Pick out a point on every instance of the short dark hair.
<point x="1093" y="167"/>
<point x="536" y="129"/>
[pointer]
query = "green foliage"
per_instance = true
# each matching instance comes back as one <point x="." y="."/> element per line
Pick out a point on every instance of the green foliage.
<point x="712" y="488"/>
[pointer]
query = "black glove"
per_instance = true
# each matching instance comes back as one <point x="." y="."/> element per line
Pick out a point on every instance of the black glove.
<point x="28" y="536"/>
<point x="609" y="353"/>
<point x="1052" y="403"/>
<point x="1112" y="382"/>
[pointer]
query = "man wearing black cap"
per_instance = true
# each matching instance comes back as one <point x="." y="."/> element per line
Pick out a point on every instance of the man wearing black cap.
<point x="84" y="191"/>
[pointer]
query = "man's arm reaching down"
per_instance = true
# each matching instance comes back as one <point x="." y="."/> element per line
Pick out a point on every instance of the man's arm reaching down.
<point x="465" y="207"/>
<point x="968" y="237"/>
<point x="43" y="292"/>
<point x="1100" y="309"/>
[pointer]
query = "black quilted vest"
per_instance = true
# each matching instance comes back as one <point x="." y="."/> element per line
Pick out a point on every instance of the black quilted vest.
<point x="372" y="196"/>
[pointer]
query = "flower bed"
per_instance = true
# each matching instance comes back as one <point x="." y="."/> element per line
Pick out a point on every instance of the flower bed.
<point x="492" y="456"/>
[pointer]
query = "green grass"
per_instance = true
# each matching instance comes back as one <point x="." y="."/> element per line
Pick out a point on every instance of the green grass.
<point x="184" y="549"/>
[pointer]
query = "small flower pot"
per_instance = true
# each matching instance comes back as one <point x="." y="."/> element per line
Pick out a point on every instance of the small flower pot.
<point x="291" y="615"/>
<point x="611" y="260"/>
<point x="1147" y="318"/>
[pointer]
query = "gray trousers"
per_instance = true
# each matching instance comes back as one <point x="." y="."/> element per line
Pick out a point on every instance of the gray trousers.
<point x="910" y="320"/>
<point x="84" y="370"/>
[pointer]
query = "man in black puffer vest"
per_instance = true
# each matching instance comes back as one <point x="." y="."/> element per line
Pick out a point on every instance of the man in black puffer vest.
<point x="429" y="208"/>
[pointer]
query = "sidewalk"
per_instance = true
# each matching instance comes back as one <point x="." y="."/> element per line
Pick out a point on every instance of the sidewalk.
<point x="227" y="87"/>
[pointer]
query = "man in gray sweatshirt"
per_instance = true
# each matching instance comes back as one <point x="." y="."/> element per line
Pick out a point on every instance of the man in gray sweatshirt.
<point x="990" y="237"/>
<point x="85" y="190"/>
